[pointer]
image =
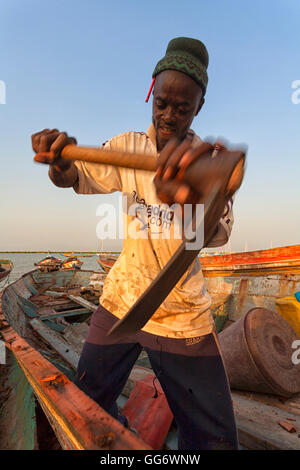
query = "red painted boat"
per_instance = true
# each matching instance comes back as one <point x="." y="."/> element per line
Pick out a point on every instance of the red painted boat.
<point x="107" y="262"/>
<point x="274" y="260"/>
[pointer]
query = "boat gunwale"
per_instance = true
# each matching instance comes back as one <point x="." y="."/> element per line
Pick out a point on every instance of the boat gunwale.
<point x="59" y="398"/>
<point x="286" y="254"/>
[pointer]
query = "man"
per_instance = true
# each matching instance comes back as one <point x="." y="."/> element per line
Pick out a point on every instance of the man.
<point x="180" y="338"/>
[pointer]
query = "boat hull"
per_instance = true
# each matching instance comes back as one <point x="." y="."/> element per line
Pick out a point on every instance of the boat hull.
<point x="240" y="281"/>
<point x="106" y="263"/>
<point x="273" y="261"/>
<point x="78" y="422"/>
<point x="6" y="266"/>
<point x="71" y="263"/>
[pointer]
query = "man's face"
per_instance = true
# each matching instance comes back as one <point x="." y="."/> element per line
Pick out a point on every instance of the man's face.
<point x="177" y="100"/>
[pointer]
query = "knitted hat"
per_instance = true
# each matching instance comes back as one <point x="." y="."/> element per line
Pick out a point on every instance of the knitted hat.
<point x="186" y="55"/>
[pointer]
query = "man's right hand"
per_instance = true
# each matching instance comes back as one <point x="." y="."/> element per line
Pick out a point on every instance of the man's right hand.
<point x="52" y="141"/>
<point x="63" y="173"/>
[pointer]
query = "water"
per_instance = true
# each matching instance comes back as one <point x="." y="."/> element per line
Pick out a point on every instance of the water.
<point x="24" y="262"/>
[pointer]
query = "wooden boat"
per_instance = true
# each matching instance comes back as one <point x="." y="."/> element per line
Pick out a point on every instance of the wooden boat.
<point x="71" y="263"/>
<point x="277" y="260"/>
<point x="238" y="282"/>
<point x="5" y="268"/>
<point x="47" y="321"/>
<point x="77" y="255"/>
<point x="48" y="264"/>
<point x="44" y="321"/>
<point x="106" y="261"/>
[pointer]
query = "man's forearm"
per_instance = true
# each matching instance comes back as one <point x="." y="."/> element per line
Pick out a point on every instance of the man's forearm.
<point x="63" y="179"/>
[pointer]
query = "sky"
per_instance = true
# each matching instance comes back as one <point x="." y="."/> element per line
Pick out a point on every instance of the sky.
<point x="86" y="67"/>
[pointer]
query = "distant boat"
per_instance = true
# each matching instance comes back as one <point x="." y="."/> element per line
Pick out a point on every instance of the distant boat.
<point x="73" y="255"/>
<point x="106" y="261"/>
<point x="5" y="267"/>
<point x="71" y="263"/>
<point x="48" y="264"/>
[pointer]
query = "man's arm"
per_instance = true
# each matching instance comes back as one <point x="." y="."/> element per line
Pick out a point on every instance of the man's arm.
<point x="63" y="178"/>
<point x="187" y="175"/>
<point x="84" y="177"/>
<point x="62" y="173"/>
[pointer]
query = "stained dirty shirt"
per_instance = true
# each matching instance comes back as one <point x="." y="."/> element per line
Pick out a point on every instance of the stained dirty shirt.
<point x="185" y="313"/>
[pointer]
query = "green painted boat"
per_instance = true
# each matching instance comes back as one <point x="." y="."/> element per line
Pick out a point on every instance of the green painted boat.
<point x="44" y="319"/>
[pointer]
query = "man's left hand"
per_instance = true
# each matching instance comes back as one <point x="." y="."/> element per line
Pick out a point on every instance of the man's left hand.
<point x="172" y="162"/>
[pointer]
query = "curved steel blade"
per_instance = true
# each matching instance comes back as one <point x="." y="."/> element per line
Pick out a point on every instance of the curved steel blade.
<point x="161" y="286"/>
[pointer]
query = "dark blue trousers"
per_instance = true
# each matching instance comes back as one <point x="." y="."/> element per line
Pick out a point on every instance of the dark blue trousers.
<point x="190" y="371"/>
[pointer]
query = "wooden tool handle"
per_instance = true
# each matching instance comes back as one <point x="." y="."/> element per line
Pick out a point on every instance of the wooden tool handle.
<point x="200" y="175"/>
<point x="108" y="157"/>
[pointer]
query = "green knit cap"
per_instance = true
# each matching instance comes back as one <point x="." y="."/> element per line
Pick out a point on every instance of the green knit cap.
<point x="186" y="55"/>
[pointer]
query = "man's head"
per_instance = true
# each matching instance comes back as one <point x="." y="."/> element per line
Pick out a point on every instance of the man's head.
<point x="180" y="86"/>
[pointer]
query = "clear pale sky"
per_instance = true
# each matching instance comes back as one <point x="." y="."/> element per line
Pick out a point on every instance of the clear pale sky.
<point x="85" y="68"/>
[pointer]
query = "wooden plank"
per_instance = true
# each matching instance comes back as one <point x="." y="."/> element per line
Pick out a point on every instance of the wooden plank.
<point x="292" y="405"/>
<point x="80" y="423"/>
<point x="55" y="326"/>
<point x="81" y="301"/>
<point x="68" y="313"/>
<point x="75" y="335"/>
<point x="258" y="426"/>
<point x="60" y="305"/>
<point x="54" y="293"/>
<point x="56" y="341"/>
<point x="46" y="311"/>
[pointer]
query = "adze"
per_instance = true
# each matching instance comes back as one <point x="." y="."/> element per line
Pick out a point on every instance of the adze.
<point x="215" y="180"/>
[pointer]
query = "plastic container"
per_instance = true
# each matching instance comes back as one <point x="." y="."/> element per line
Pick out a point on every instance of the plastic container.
<point x="297" y="295"/>
<point x="289" y="309"/>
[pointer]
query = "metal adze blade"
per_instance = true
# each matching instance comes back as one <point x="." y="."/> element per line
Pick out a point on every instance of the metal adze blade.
<point x="161" y="286"/>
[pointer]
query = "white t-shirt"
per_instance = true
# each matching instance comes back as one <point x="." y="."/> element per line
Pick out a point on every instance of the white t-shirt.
<point x="185" y="313"/>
